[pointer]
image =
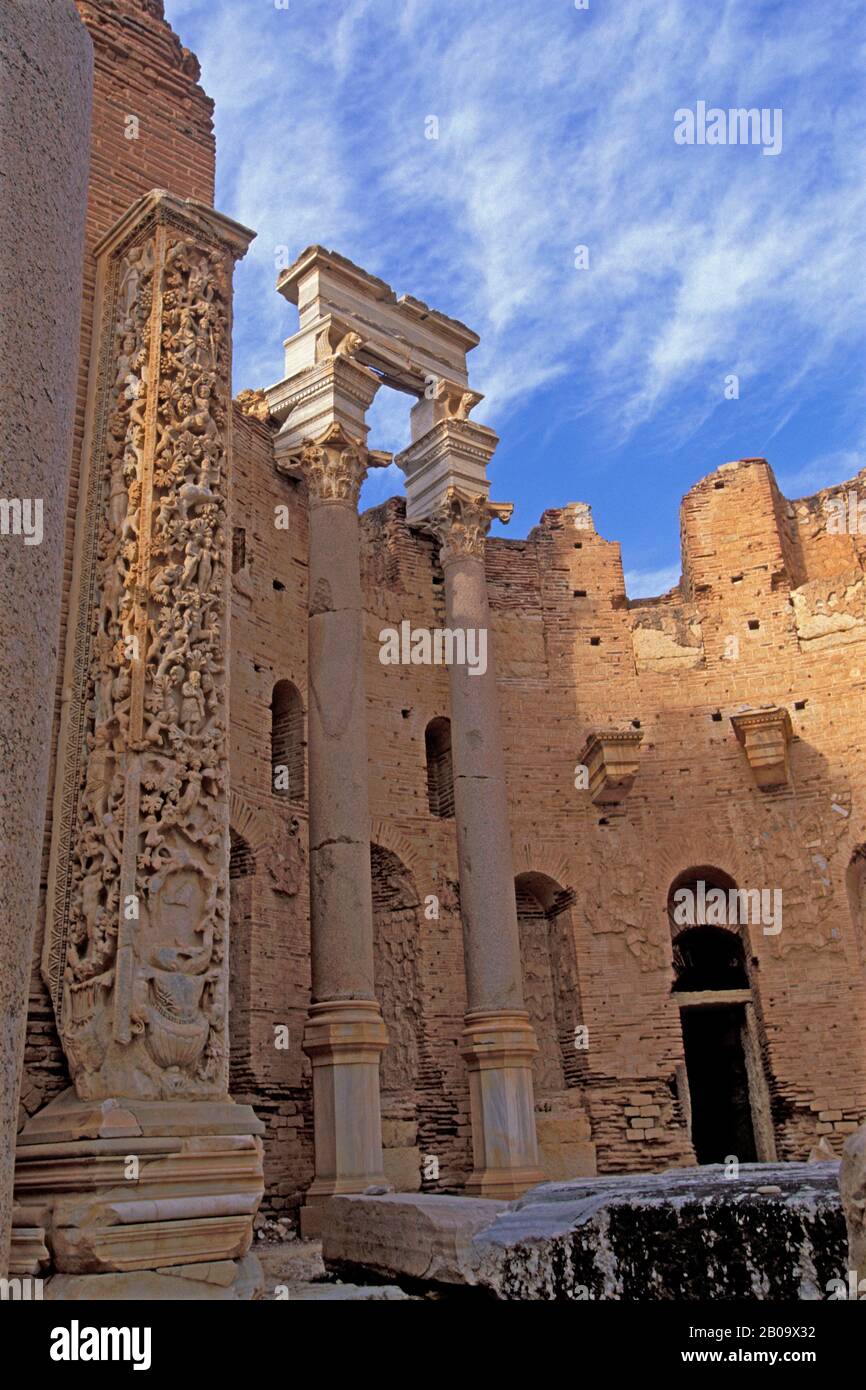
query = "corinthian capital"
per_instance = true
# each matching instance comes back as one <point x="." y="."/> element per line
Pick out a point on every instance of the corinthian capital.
<point x="461" y="521"/>
<point x="334" y="465"/>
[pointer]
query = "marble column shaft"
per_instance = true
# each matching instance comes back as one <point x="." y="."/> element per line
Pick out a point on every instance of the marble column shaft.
<point x="345" y="1034"/>
<point x="493" y="971"/>
<point x="499" y="1043"/>
<point x="341" y="894"/>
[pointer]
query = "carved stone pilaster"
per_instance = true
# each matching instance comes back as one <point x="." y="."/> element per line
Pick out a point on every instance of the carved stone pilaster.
<point x="136" y="946"/>
<point x="135" y="949"/>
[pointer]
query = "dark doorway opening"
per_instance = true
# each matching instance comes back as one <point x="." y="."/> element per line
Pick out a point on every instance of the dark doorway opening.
<point x="718" y="1083"/>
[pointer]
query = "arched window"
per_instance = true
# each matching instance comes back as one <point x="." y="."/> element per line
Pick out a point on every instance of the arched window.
<point x="440" y="776"/>
<point x="287" y="742"/>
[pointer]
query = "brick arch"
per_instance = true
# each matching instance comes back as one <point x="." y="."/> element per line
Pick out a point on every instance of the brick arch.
<point x="533" y="858"/>
<point x="703" y="851"/>
<point x="712" y="874"/>
<point x="249" y="824"/>
<point x="384" y="834"/>
<point x="697" y="847"/>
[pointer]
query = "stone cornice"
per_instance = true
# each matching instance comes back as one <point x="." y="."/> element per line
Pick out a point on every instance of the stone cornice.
<point x="449" y="437"/>
<point x="765" y="735"/>
<point x="352" y="380"/>
<point x="611" y="759"/>
<point x="159" y="206"/>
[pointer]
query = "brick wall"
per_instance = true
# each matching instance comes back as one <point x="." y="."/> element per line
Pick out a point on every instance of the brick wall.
<point x="668" y="666"/>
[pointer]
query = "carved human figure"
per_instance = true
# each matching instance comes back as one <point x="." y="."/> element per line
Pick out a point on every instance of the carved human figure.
<point x="192" y="709"/>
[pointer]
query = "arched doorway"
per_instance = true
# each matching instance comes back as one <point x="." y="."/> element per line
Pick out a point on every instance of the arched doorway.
<point x="724" y="1088"/>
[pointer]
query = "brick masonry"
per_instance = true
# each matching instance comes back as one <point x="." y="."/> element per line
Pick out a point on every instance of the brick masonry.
<point x="771" y="611"/>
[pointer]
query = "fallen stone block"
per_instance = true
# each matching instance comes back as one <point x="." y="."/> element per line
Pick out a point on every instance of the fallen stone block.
<point x="776" y="1231"/>
<point x="420" y="1237"/>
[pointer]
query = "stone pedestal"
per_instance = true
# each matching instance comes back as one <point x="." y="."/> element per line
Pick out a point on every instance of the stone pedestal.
<point x="344" y="1040"/>
<point x="126" y="1185"/>
<point x="499" y="1046"/>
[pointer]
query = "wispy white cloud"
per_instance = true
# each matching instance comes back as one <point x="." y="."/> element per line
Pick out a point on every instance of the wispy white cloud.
<point x="556" y="129"/>
<point x="649" y="583"/>
<point x="836" y="467"/>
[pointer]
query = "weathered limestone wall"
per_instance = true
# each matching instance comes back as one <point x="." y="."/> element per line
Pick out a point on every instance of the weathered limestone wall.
<point x="45" y="77"/>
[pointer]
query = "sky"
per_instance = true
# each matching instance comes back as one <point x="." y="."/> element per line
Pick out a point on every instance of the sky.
<point x="607" y="371"/>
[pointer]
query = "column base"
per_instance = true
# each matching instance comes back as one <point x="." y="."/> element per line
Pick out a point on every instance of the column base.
<point x="344" y="1040"/>
<point x="498" y="1046"/>
<point x="123" y="1185"/>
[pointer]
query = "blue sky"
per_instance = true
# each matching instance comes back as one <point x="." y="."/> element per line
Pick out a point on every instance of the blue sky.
<point x="556" y="130"/>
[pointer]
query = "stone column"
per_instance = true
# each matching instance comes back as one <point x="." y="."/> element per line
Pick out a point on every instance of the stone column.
<point x="345" y="1034"/>
<point x="46" y="64"/>
<point x="498" y="1042"/>
<point x="136" y="946"/>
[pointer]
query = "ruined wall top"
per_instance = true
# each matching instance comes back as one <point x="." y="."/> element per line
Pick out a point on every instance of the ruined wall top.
<point x="152" y="121"/>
